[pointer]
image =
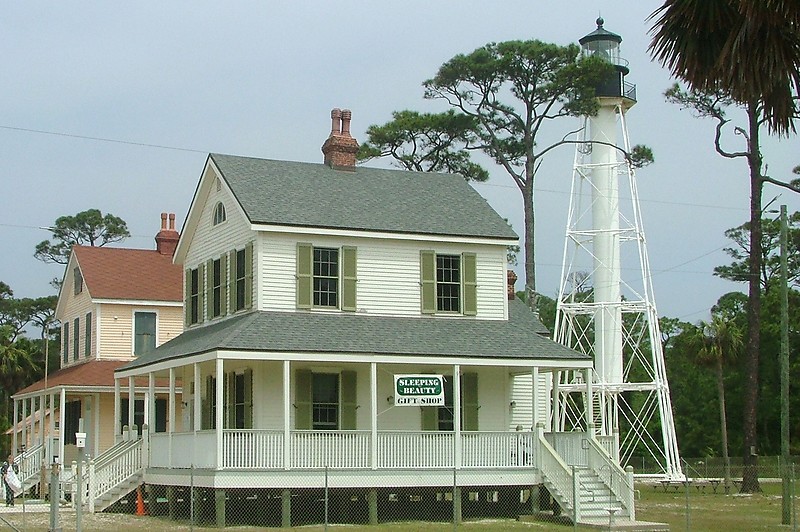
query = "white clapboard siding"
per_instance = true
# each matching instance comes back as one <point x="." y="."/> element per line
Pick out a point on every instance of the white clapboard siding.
<point x="521" y="392"/>
<point x="388" y="273"/>
<point x="212" y="241"/>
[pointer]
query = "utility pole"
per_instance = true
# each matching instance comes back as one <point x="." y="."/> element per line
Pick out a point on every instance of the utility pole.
<point x="786" y="495"/>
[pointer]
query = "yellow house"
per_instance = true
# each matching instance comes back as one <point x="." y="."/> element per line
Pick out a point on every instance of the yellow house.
<point x="114" y="305"/>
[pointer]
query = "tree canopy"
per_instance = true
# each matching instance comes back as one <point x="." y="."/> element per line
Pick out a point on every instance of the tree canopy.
<point x="90" y="227"/>
<point x="501" y="98"/>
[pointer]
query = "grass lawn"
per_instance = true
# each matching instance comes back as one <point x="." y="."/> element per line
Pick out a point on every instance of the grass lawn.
<point x="712" y="511"/>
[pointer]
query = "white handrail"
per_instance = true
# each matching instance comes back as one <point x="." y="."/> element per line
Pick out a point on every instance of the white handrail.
<point x="619" y="481"/>
<point x="554" y="469"/>
<point x="105" y="475"/>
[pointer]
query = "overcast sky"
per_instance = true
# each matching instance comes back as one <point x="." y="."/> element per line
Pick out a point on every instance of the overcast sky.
<point x="167" y="82"/>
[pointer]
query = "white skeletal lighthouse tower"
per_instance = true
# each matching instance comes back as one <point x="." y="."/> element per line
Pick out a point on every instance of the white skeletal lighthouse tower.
<point x="605" y="303"/>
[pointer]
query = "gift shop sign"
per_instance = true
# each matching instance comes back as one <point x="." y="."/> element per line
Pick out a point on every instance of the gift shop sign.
<point x="418" y="390"/>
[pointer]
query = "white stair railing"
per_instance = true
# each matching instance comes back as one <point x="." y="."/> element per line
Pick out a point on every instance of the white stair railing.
<point x="558" y="474"/>
<point x="618" y="480"/>
<point x="114" y="467"/>
<point x="30" y="465"/>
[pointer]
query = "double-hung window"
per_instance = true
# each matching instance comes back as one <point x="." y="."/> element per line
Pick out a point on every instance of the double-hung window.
<point x="448" y="283"/>
<point x="325" y="401"/>
<point x="144" y="332"/>
<point x="442" y="418"/>
<point x="326" y="277"/>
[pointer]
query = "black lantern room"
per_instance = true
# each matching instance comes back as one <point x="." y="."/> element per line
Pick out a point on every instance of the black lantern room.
<point x="604" y="44"/>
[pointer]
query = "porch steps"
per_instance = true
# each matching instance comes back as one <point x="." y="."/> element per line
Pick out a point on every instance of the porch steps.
<point x="115" y="494"/>
<point x="596" y="499"/>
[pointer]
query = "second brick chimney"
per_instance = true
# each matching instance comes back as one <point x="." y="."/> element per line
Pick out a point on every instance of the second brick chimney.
<point x="167" y="238"/>
<point x="511" y="280"/>
<point x="340" y="148"/>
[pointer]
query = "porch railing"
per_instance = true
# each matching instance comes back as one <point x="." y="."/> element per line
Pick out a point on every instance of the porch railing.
<point x="265" y="449"/>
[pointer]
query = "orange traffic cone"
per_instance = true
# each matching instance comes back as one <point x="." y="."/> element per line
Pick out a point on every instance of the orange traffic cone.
<point x="140" y="510"/>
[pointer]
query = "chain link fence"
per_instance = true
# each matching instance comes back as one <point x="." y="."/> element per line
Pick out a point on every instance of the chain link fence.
<point x="192" y="499"/>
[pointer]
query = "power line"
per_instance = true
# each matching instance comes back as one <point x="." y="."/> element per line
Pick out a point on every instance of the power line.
<point x="100" y="139"/>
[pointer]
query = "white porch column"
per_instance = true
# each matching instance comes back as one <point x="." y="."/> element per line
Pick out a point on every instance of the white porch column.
<point x="373" y="400"/>
<point x="51" y="452"/>
<point x="218" y="415"/>
<point x="150" y="404"/>
<point x="589" y="402"/>
<point x="287" y="414"/>
<point x="62" y="406"/>
<point x="117" y="412"/>
<point x="556" y="424"/>
<point x="42" y="412"/>
<point x="535" y="396"/>
<point x="196" y="415"/>
<point x="457" y="416"/>
<point x="131" y="403"/>
<point x="171" y="413"/>
<point x="15" y="444"/>
<point x="96" y="430"/>
<point x="171" y="404"/>
<point x="24" y="426"/>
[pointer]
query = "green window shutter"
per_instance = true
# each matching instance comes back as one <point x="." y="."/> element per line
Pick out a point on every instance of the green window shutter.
<point x="469" y="402"/>
<point x="248" y="275"/>
<point x="470" y="285"/>
<point x="223" y="286"/>
<point x="187" y="297"/>
<point x="232" y="281"/>
<point x="248" y="398"/>
<point x="430" y="420"/>
<point x="427" y="268"/>
<point x="305" y="264"/>
<point x="302" y="399"/>
<point x="349" y="278"/>
<point x="349" y="400"/>
<point x="201" y="292"/>
<point x="229" y="393"/>
<point x="209" y="288"/>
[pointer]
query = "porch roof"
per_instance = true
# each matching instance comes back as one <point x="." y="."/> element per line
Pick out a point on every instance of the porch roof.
<point x="329" y="333"/>
<point x="90" y="375"/>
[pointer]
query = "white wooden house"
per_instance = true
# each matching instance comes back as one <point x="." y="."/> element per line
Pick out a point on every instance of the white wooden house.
<point x="308" y="288"/>
<point x="114" y="304"/>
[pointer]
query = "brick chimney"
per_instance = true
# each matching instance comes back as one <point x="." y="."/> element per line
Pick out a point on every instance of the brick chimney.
<point x="340" y="148"/>
<point x="167" y="238"/>
<point x="511" y="279"/>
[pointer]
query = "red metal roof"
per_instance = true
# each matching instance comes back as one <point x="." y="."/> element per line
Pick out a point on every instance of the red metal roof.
<point x="90" y="373"/>
<point x="122" y="273"/>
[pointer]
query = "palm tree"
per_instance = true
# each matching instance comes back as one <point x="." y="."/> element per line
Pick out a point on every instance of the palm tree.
<point x="719" y="342"/>
<point x="16" y="364"/>
<point x="749" y="51"/>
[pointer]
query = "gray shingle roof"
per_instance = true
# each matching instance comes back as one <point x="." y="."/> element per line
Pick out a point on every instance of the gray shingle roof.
<point x="366" y="199"/>
<point x="309" y="332"/>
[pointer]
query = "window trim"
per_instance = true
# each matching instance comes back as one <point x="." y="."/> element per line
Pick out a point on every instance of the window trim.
<point x="134" y="312"/>
<point x="219" y="215"/>
<point x="77" y="280"/>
